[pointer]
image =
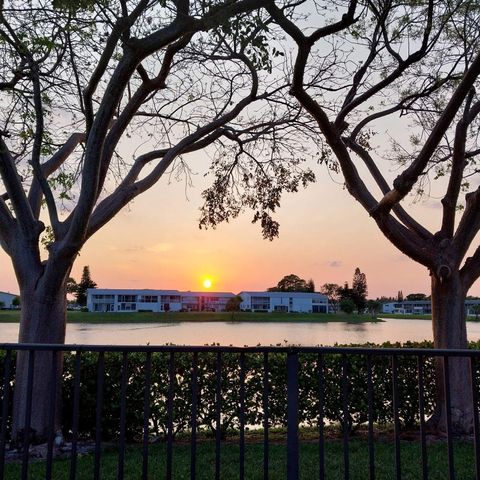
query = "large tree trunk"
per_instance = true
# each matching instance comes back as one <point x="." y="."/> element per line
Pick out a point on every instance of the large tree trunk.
<point x="450" y="331"/>
<point x="42" y="321"/>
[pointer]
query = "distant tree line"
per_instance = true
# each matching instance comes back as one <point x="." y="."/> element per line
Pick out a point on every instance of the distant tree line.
<point x="346" y="298"/>
<point x="293" y="283"/>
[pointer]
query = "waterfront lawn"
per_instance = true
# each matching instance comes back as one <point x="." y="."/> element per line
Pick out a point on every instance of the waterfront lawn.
<point x="11" y="316"/>
<point x="358" y="449"/>
<point x="406" y="316"/>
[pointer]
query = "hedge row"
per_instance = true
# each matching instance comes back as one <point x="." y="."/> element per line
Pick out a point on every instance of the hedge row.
<point x="230" y="388"/>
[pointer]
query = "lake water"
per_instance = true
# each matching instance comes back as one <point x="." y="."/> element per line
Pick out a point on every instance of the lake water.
<point x="240" y="334"/>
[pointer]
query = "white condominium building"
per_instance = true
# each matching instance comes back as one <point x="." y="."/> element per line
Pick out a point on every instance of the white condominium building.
<point x="110" y="300"/>
<point x="284" y="302"/>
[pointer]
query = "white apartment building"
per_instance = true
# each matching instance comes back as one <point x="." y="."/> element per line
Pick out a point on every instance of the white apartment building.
<point x="424" y="307"/>
<point x="410" y="307"/>
<point x="111" y="300"/>
<point x="284" y="302"/>
<point x="6" y="299"/>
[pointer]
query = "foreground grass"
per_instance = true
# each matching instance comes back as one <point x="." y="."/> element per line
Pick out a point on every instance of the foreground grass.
<point x="8" y="316"/>
<point x="309" y="464"/>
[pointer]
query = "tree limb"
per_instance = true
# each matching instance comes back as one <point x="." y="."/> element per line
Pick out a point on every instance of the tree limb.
<point x="450" y="199"/>
<point x="49" y="167"/>
<point x="471" y="269"/>
<point x="120" y="26"/>
<point x="124" y="119"/>
<point x="403" y="184"/>
<point x="125" y="192"/>
<point x="14" y="187"/>
<point x="404" y="239"/>
<point x="399" y="211"/>
<point x="36" y="151"/>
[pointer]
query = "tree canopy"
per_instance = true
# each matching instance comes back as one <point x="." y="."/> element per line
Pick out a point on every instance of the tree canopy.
<point x="99" y="100"/>
<point x="293" y="283"/>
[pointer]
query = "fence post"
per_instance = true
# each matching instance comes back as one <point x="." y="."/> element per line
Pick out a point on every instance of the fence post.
<point x="292" y="416"/>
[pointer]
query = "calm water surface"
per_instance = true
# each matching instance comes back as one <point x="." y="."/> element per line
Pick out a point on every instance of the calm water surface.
<point x="240" y="334"/>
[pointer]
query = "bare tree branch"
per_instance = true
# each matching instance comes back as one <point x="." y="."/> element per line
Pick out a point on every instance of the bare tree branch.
<point x="13" y="185"/>
<point x="49" y="167"/>
<point x="399" y="211"/>
<point x="404" y="182"/>
<point x="450" y="199"/>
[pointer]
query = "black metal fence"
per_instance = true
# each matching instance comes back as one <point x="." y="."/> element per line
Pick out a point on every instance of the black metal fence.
<point x="199" y="392"/>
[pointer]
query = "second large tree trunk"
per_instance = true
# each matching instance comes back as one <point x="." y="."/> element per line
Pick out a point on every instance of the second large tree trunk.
<point x="42" y="321"/>
<point x="450" y="331"/>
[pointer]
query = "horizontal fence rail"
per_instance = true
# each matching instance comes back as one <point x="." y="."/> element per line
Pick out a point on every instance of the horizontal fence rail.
<point x="84" y="411"/>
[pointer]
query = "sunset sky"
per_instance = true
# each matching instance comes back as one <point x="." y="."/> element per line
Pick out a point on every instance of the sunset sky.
<point x="324" y="235"/>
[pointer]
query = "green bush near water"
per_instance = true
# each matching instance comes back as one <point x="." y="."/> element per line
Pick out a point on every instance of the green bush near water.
<point x="230" y="387"/>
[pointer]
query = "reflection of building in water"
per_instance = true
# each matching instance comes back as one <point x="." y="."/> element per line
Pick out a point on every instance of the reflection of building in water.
<point x="109" y="300"/>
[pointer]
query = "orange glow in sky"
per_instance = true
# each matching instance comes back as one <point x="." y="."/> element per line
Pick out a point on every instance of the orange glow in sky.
<point x="324" y="235"/>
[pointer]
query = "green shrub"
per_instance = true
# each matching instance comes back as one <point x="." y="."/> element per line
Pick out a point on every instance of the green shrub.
<point x="309" y="366"/>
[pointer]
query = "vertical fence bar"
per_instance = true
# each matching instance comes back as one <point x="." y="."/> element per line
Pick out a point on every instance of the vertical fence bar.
<point x="76" y="414"/>
<point x="476" y="423"/>
<point x="171" y="393"/>
<point x="98" y="419"/>
<point x="421" y="403"/>
<point x="242" y="416"/>
<point x="265" y="416"/>
<point x="193" y="422"/>
<point x="321" y="415"/>
<point x="7" y="367"/>
<point x="292" y="416"/>
<point x="146" y="413"/>
<point x="123" y="415"/>
<point x="346" y="419"/>
<point x="28" y="414"/>
<point x="218" y="412"/>
<point x="396" y="419"/>
<point x="448" y="408"/>
<point x="51" y="414"/>
<point x="371" y="419"/>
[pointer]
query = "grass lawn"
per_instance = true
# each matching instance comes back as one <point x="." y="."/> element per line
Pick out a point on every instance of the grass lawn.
<point x="410" y="317"/>
<point x="309" y="462"/>
<point x="8" y="316"/>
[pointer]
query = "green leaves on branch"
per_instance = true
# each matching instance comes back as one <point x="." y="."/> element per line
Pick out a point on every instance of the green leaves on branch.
<point x="251" y="36"/>
<point x="64" y="183"/>
<point x="253" y="185"/>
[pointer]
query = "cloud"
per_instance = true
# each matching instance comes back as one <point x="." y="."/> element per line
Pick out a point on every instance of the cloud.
<point x="161" y="247"/>
<point x="334" y="263"/>
<point x="134" y="248"/>
<point x="127" y="249"/>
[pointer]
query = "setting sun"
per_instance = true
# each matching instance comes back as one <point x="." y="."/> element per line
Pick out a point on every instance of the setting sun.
<point x="207" y="283"/>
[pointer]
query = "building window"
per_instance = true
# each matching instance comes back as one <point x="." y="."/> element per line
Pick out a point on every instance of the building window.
<point x="127" y="307"/>
<point x="148" y="299"/>
<point x="127" y="298"/>
<point x="260" y="303"/>
<point x="170" y="299"/>
<point x="103" y="297"/>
